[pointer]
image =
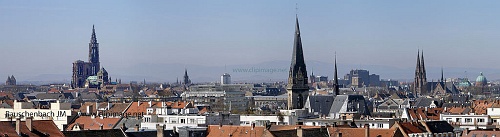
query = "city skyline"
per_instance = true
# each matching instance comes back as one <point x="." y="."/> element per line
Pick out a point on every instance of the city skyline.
<point x="50" y="36"/>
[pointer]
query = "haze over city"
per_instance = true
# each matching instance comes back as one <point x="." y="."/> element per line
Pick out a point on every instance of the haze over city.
<point x="157" y="39"/>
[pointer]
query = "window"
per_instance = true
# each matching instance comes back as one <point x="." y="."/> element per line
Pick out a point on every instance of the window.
<point x="448" y="119"/>
<point x="468" y="120"/>
<point x="380" y="125"/>
<point x="480" y="120"/>
<point x="183" y="120"/>
<point x="458" y="120"/>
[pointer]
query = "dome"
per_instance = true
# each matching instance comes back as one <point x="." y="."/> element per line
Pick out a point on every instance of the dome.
<point x="481" y="80"/>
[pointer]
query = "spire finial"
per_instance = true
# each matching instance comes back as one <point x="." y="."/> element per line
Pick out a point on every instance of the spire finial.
<point x="296" y="9"/>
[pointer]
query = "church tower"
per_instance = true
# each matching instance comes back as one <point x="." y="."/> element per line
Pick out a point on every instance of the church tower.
<point x="297" y="87"/>
<point x="94" y="54"/>
<point x="420" y="83"/>
<point x="186" y="81"/>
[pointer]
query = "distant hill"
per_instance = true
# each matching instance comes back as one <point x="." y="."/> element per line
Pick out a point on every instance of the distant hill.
<point x="261" y="72"/>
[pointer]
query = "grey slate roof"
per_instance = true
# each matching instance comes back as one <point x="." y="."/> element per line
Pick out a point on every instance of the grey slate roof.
<point x="54" y="96"/>
<point x="320" y="104"/>
<point x="349" y="103"/>
<point x="130" y="123"/>
<point x="425" y="102"/>
<point x="86" y="95"/>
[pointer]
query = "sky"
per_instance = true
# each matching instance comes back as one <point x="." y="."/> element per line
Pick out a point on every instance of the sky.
<point x="45" y="37"/>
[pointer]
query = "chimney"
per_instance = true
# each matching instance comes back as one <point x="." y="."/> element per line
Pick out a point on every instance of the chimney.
<point x="100" y="127"/>
<point x="466" y="131"/>
<point x="220" y="125"/>
<point x="89" y="109"/>
<point x="159" y="130"/>
<point x="150" y="103"/>
<point x="299" y="131"/>
<point x="136" y="127"/>
<point x="124" y="127"/>
<point x="109" y="105"/>
<point x="367" y="130"/>
<point x="253" y="126"/>
<point x="138" y="103"/>
<point x="29" y="123"/>
<point x="18" y="126"/>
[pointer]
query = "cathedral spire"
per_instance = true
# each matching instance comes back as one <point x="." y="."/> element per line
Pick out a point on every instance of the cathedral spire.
<point x="335" y="78"/>
<point x="417" y="69"/>
<point x="93" y="38"/>
<point x="423" y="66"/>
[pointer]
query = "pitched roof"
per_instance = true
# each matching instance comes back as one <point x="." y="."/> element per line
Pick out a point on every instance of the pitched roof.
<point x="140" y="107"/>
<point x="40" y="128"/>
<point x="425" y="113"/>
<point x="96" y="133"/>
<point x="412" y="127"/>
<point x="235" y="131"/>
<point x="90" y="123"/>
<point x="291" y="130"/>
<point x="360" y="132"/>
<point x="480" y="106"/>
<point x="439" y="126"/>
<point x="114" y="108"/>
<point x="481" y="133"/>
<point x="320" y="103"/>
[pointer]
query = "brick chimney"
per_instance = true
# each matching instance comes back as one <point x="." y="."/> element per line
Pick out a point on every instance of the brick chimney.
<point x="159" y="130"/>
<point x="299" y="131"/>
<point x="18" y="126"/>
<point x="29" y="123"/>
<point x="367" y="130"/>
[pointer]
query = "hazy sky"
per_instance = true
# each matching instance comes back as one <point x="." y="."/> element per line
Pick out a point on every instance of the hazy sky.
<point x="45" y="37"/>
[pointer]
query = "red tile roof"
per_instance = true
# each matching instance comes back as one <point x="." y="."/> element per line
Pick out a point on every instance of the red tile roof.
<point x="90" y="123"/>
<point x="236" y="131"/>
<point x="40" y="128"/>
<point x="360" y="132"/>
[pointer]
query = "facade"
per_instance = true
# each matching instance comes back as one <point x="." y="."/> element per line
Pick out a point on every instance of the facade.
<point x="82" y="70"/>
<point x="374" y="80"/>
<point x="471" y="122"/>
<point x="222" y="97"/>
<point x="420" y="83"/>
<point x="225" y="79"/>
<point x="102" y="77"/>
<point x="58" y="112"/>
<point x="359" y="77"/>
<point x="247" y="120"/>
<point x="271" y="101"/>
<point x="297" y="88"/>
